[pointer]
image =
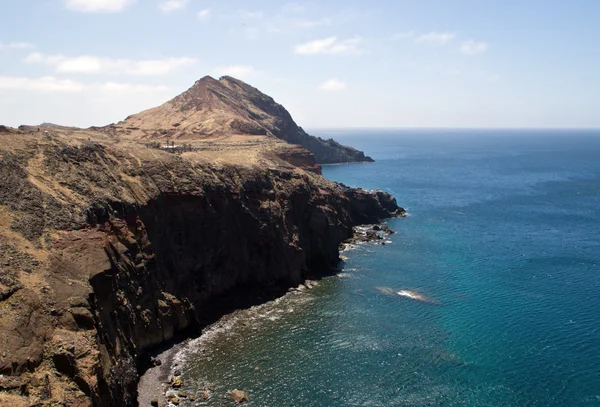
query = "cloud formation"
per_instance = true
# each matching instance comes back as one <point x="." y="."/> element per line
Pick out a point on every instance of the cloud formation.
<point x="331" y="46"/>
<point x="173" y="5"/>
<point x="50" y="84"/>
<point x="436" y="38"/>
<point x="16" y="45"/>
<point x="332" y="85"/>
<point x="473" y="47"/>
<point x="98" y="6"/>
<point x="93" y="65"/>
<point x="203" y="14"/>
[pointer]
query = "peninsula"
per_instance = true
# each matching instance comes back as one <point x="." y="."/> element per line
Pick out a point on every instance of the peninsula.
<point x="115" y="239"/>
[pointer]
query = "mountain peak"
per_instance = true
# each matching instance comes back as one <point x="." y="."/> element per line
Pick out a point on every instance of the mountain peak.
<point x="228" y="107"/>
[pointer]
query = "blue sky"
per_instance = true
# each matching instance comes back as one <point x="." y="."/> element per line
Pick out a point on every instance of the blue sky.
<point x="463" y="63"/>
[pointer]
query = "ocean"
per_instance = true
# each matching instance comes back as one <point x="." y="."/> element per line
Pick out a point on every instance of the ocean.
<point x="502" y="244"/>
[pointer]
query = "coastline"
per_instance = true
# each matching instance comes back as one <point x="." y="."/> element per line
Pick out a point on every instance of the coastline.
<point x="155" y="382"/>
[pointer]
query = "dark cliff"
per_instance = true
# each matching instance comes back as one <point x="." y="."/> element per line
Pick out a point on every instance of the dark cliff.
<point x="216" y="108"/>
<point x="110" y="250"/>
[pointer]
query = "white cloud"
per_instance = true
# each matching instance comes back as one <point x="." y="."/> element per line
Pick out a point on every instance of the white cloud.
<point x="98" y="6"/>
<point x="90" y="65"/>
<point x="436" y="38"/>
<point x="204" y="14"/>
<point x="50" y="84"/>
<point x="173" y="5"/>
<point x="127" y="88"/>
<point x="473" y="47"/>
<point x="44" y="84"/>
<point x="16" y="45"/>
<point x="332" y="85"/>
<point x="159" y="66"/>
<point x="330" y="45"/>
<point x="84" y="64"/>
<point x="237" y="71"/>
<point x="307" y="24"/>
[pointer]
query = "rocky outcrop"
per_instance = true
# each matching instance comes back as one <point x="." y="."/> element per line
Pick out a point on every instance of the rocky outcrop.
<point x="117" y="249"/>
<point x="215" y="108"/>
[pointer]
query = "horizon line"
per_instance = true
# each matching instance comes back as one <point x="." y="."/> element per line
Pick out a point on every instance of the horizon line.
<point x="449" y="128"/>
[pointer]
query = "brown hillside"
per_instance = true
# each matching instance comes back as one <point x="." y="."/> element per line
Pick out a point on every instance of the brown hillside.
<point x="219" y="108"/>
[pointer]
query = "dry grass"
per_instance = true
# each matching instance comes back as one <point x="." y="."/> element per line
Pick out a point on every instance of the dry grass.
<point x="12" y="400"/>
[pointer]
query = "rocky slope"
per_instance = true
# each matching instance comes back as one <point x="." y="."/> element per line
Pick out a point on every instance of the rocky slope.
<point x="109" y="249"/>
<point x="215" y="108"/>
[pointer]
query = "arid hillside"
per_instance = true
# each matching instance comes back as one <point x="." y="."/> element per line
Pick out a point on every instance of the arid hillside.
<point x="213" y="109"/>
<point x="112" y="244"/>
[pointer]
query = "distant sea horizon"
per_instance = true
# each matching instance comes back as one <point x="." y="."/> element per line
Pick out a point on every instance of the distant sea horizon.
<point x="311" y="130"/>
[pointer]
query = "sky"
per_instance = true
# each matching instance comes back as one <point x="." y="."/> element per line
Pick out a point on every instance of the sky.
<point x="332" y="64"/>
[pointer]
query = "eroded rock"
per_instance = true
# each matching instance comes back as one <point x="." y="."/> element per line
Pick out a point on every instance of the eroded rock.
<point x="239" y="396"/>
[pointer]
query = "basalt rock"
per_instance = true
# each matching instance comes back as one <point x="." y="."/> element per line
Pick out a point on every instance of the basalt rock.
<point x="239" y="396"/>
<point x="110" y="250"/>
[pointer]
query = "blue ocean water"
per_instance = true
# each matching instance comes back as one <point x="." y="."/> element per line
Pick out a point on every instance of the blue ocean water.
<point x="503" y="237"/>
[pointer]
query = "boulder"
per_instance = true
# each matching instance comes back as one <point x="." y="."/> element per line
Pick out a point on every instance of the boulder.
<point x="177" y="382"/>
<point x="83" y="317"/>
<point x="239" y="396"/>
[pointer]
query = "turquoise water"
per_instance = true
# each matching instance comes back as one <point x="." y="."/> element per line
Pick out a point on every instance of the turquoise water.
<point x="503" y="236"/>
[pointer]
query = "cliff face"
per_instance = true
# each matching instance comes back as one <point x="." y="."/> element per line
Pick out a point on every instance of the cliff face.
<point x="109" y="250"/>
<point x="216" y="108"/>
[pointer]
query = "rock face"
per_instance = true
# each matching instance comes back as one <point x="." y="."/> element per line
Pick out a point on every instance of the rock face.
<point x="214" y="108"/>
<point x="112" y="249"/>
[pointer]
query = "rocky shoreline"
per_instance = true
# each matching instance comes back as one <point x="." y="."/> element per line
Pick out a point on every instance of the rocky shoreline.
<point x="369" y="233"/>
<point x="161" y="383"/>
<point x="112" y="250"/>
<point x="141" y="247"/>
